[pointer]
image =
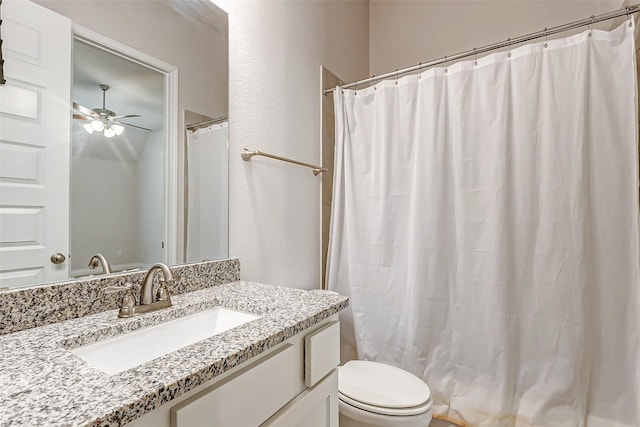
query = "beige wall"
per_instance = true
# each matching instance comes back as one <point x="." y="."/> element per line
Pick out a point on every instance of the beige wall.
<point x="404" y="33"/>
<point x="276" y="50"/>
<point x="192" y="43"/>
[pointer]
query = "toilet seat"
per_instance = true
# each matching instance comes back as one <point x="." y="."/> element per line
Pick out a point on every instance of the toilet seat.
<point x="397" y="412"/>
<point x="382" y="389"/>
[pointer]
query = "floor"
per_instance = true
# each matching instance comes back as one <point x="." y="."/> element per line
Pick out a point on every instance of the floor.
<point x="442" y="423"/>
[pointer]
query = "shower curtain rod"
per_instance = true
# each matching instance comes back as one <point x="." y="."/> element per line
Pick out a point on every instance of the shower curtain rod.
<point x="594" y="19"/>
<point x="206" y="123"/>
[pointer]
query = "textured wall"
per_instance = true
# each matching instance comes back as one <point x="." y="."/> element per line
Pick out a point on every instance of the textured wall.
<point x="404" y="33"/>
<point x="275" y="52"/>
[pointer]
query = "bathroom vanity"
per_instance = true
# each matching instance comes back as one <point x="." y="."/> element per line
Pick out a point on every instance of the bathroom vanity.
<point x="275" y="370"/>
<point x="295" y="383"/>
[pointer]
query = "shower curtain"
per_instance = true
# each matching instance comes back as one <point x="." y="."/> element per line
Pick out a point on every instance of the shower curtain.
<point x="485" y="227"/>
<point x="207" y="193"/>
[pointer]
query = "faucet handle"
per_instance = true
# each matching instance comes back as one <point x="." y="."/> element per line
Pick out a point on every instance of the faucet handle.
<point x="163" y="292"/>
<point x="128" y="301"/>
<point x="175" y="278"/>
<point x="114" y="289"/>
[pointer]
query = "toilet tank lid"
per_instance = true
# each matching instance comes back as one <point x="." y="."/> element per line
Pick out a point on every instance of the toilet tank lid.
<point x="381" y="385"/>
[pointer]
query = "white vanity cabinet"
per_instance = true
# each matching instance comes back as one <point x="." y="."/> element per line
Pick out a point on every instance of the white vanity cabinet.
<point x="315" y="407"/>
<point x="293" y="384"/>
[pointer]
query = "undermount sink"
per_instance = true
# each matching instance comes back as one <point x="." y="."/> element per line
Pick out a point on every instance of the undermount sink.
<point x="127" y="351"/>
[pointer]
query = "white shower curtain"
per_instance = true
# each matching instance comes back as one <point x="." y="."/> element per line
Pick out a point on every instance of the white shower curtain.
<point x="485" y="227"/>
<point x="208" y="193"/>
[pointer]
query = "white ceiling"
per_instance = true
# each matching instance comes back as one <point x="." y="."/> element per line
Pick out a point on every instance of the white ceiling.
<point x="135" y="89"/>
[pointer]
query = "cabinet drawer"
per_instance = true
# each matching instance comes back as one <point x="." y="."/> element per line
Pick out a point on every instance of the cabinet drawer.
<point x="321" y="353"/>
<point x="315" y="407"/>
<point x="247" y="398"/>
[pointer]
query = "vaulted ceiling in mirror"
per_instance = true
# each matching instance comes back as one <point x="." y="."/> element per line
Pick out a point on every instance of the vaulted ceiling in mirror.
<point x="134" y="88"/>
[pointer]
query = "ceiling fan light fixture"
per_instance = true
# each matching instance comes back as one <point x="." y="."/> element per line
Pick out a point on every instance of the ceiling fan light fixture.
<point x="102" y="119"/>
<point x="109" y="132"/>
<point x="88" y="128"/>
<point x="97" y="125"/>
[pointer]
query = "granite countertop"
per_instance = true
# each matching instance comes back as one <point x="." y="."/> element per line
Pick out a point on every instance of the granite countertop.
<point x="43" y="383"/>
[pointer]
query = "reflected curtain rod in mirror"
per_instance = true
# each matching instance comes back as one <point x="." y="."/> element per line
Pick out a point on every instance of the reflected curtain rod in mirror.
<point x="206" y="123"/>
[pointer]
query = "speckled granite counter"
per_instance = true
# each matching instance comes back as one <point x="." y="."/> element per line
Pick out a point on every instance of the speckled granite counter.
<point x="39" y="305"/>
<point x="42" y="383"/>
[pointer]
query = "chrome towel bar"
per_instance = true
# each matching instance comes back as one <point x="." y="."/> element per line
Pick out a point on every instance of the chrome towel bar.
<point x="248" y="154"/>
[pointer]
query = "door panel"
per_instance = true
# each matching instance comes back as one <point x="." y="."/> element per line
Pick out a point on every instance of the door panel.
<point x="35" y="122"/>
<point x="315" y="407"/>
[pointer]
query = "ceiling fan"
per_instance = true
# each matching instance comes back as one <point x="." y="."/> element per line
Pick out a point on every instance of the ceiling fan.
<point x="103" y="120"/>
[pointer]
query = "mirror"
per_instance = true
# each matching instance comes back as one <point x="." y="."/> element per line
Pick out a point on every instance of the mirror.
<point x="207" y="187"/>
<point x="128" y="193"/>
<point x="116" y="198"/>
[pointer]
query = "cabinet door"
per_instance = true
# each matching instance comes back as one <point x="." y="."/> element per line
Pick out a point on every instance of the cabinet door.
<point x="321" y="352"/>
<point x="247" y="398"/>
<point x="316" y="407"/>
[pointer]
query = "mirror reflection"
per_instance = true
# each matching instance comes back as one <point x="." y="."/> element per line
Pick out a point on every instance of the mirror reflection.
<point x="207" y="189"/>
<point x="117" y="176"/>
<point x="120" y="179"/>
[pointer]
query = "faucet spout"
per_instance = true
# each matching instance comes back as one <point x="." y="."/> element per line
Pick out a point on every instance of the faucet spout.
<point x="146" y="294"/>
<point x="99" y="260"/>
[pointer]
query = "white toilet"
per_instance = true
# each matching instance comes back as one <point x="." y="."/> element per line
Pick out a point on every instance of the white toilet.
<point x="373" y="394"/>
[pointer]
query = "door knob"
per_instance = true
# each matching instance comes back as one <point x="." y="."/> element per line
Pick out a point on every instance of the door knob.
<point x="57" y="258"/>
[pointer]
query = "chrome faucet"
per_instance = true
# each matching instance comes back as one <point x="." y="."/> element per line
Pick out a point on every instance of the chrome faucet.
<point x="147" y="304"/>
<point x="99" y="259"/>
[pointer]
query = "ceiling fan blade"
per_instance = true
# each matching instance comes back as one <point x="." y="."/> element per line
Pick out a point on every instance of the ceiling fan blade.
<point x="133" y="126"/>
<point x="128" y="115"/>
<point x="82" y="117"/>
<point x="85" y="110"/>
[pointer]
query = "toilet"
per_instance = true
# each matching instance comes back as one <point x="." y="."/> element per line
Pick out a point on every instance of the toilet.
<point x="373" y="394"/>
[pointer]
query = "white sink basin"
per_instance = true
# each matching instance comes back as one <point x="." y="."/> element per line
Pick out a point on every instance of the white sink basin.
<point x="126" y="351"/>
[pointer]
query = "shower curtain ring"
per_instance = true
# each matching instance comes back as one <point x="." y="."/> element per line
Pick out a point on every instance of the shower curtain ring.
<point x="446" y="67"/>
<point x="509" y="48"/>
<point x="629" y="15"/>
<point x="419" y="70"/>
<point x="475" y="57"/>
<point x="355" y="85"/>
<point x="591" y="23"/>
<point x="546" y="38"/>
<point x="374" y="86"/>
<point x="396" y="76"/>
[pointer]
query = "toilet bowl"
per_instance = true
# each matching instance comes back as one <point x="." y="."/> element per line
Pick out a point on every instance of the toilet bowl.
<point x="373" y="394"/>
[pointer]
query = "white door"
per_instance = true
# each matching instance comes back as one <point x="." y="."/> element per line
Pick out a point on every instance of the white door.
<point x="35" y="118"/>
